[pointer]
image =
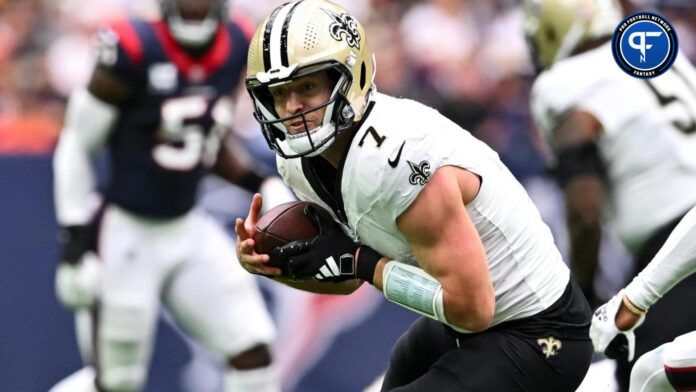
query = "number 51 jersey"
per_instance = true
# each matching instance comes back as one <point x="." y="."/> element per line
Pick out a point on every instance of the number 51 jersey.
<point x="648" y="140"/>
<point x="170" y="129"/>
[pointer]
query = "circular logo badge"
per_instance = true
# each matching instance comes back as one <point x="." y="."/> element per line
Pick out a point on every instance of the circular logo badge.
<point x="645" y="45"/>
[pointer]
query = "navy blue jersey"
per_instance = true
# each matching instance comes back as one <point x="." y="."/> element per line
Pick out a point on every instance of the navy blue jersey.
<point x="166" y="136"/>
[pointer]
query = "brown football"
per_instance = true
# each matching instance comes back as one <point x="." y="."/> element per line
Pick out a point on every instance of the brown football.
<point x="282" y="224"/>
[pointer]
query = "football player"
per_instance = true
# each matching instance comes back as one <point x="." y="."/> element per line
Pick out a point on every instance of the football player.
<point x="671" y="366"/>
<point x="418" y="208"/>
<point x="617" y="139"/>
<point x="159" y="100"/>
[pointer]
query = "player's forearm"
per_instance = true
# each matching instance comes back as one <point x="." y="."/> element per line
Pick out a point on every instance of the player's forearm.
<point x="313" y="286"/>
<point x="472" y="312"/>
<point x="461" y="267"/>
<point x="675" y="261"/>
<point x="584" y="198"/>
<point x="585" y="241"/>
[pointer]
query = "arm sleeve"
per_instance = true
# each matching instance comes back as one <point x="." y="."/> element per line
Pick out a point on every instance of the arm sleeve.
<point x="88" y="121"/>
<point x="674" y="262"/>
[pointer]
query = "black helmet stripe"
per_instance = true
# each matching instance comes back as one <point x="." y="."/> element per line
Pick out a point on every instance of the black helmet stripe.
<point x="267" y="39"/>
<point x="275" y="37"/>
<point x="284" y="37"/>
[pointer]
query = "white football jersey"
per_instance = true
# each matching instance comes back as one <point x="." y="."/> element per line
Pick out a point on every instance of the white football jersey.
<point x="398" y="147"/>
<point x="648" y="140"/>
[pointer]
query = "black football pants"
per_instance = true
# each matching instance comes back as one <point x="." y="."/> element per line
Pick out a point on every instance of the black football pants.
<point x="431" y="357"/>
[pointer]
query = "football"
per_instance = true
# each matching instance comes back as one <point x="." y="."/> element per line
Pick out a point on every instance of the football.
<point x="284" y="223"/>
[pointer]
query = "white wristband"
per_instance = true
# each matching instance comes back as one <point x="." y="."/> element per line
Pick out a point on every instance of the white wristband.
<point x="414" y="289"/>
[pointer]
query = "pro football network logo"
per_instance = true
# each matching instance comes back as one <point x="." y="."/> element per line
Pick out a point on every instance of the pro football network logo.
<point x="645" y="45"/>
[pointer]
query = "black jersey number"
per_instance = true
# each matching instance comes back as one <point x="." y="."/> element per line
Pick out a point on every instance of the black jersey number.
<point x="184" y="143"/>
<point x="677" y="97"/>
<point x="379" y="139"/>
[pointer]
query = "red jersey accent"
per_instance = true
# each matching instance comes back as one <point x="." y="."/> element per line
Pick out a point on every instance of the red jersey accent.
<point x="680" y="369"/>
<point x="189" y="66"/>
<point x="129" y="40"/>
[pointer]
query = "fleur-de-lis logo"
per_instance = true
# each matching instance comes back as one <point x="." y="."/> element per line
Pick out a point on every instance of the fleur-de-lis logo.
<point x="549" y="346"/>
<point x="344" y="25"/>
<point x="420" y="173"/>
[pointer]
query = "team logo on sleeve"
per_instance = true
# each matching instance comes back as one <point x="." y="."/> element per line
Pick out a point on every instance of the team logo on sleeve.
<point x="420" y="173"/>
<point x="344" y="25"/>
<point x="645" y="45"/>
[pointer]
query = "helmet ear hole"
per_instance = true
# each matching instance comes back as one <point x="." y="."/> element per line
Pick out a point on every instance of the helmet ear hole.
<point x="362" y="75"/>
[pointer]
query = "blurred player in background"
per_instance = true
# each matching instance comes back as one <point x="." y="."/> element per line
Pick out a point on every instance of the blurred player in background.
<point x="406" y="184"/>
<point x="671" y="366"/>
<point x="160" y="100"/>
<point x="618" y="140"/>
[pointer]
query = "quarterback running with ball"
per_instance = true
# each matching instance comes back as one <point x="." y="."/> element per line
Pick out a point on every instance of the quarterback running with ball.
<point x="428" y="215"/>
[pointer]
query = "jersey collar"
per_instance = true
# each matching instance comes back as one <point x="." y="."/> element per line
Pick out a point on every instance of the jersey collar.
<point x="195" y="68"/>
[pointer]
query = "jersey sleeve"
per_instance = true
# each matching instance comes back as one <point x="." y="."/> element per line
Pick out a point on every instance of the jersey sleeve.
<point x="120" y="51"/>
<point x="427" y="146"/>
<point x="419" y="155"/>
<point x="542" y="112"/>
<point x="610" y="97"/>
<point x="614" y="103"/>
<point x="401" y="185"/>
<point x="554" y="93"/>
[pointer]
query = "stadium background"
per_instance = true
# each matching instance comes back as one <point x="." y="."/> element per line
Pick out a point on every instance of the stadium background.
<point x="465" y="57"/>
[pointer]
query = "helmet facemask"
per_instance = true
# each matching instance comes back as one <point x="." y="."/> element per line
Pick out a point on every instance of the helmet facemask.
<point x="193" y="33"/>
<point x="338" y="115"/>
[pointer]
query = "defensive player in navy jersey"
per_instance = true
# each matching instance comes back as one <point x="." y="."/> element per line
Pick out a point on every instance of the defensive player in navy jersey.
<point x="160" y="101"/>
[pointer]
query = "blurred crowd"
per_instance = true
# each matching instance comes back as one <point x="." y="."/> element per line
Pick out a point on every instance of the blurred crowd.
<point x="467" y="58"/>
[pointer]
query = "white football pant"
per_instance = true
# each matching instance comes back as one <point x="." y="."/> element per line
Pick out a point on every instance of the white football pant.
<point x="188" y="264"/>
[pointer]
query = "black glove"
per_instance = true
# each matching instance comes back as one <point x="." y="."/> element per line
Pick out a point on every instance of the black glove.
<point x="330" y="256"/>
<point x="618" y="347"/>
<point x="78" y="277"/>
<point x="76" y="241"/>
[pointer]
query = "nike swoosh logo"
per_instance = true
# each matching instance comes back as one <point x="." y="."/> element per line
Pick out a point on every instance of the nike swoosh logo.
<point x="398" y="156"/>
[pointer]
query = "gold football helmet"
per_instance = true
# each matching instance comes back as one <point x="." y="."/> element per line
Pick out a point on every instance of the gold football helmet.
<point x="555" y="28"/>
<point x="300" y="38"/>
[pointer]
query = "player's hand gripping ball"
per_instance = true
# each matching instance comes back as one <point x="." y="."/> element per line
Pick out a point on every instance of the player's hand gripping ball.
<point x="280" y="225"/>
